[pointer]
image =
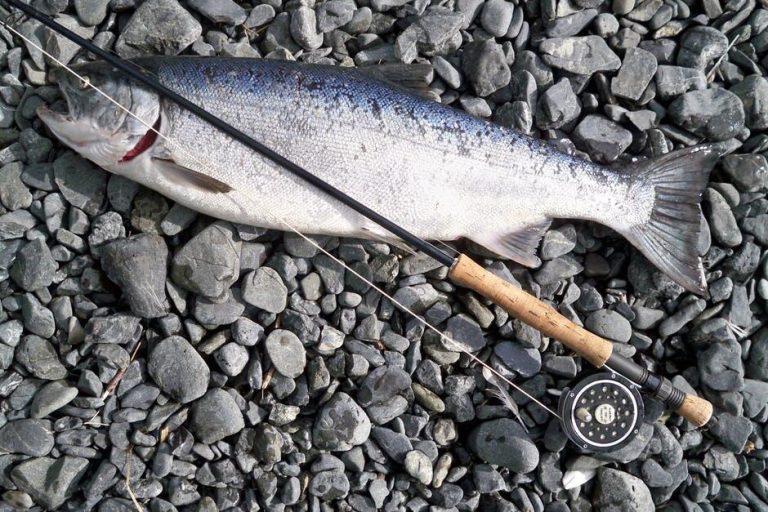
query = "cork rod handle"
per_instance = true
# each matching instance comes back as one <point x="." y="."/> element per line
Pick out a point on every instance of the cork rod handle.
<point x="696" y="410"/>
<point x="530" y="310"/>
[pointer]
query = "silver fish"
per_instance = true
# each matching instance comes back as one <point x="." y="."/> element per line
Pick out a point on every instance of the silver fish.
<point x="435" y="170"/>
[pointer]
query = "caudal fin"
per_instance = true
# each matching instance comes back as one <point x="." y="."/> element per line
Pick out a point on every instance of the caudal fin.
<point x="670" y="236"/>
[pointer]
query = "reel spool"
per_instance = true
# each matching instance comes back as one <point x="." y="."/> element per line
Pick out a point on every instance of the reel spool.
<point x="602" y="412"/>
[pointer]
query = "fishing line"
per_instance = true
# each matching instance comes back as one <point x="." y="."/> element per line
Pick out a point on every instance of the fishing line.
<point x="447" y="340"/>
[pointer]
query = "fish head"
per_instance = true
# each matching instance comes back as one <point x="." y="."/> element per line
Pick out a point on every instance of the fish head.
<point x="94" y="117"/>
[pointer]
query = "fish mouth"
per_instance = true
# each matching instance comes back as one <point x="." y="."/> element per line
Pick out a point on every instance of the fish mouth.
<point x="59" y="122"/>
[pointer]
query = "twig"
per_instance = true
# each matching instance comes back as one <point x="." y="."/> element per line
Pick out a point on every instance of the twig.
<point x="113" y="384"/>
<point x="129" y="458"/>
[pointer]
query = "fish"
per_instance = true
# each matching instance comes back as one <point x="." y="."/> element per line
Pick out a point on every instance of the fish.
<point x="370" y="132"/>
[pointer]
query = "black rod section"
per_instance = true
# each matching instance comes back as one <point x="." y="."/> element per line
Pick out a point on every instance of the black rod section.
<point x="148" y="80"/>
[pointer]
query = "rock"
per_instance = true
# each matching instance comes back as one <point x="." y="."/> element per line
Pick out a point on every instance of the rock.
<point x="304" y="28"/>
<point x="341" y="424"/>
<point x="215" y="416"/>
<point x="31" y="437"/>
<point x="716" y="114"/>
<point x="383" y="384"/>
<point x="572" y="24"/>
<point x="579" y="55"/>
<point x="329" y="485"/>
<point x="466" y="332"/>
<point x="722" y="223"/>
<point x="731" y="431"/>
<point x="222" y="312"/>
<point x="34" y="267"/>
<point x="558" y="242"/>
<point x="526" y="362"/>
<point x="226" y="12"/>
<point x="334" y="14"/>
<point x="231" y="359"/>
<point x="209" y="264"/>
<point x="82" y="184"/>
<point x="557" y="269"/>
<point x="757" y="362"/>
<point x="15" y="224"/>
<point x="496" y="17"/>
<point x="418" y="465"/>
<point x="434" y="33"/>
<point x="637" y="71"/>
<point x="557" y="107"/>
<point x="159" y="27"/>
<point x="50" y="481"/>
<point x="13" y="192"/>
<point x="700" y="47"/>
<point x="91" y="12"/>
<point x="672" y="81"/>
<point x="138" y="265"/>
<point x="286" y="352"/>
<point x="51" y="397"/>
<point x="753" y="93"/>
<point x="721" y="368"/>
<point x="620" y="491"/>
<point x="504" y="442"/>
<point x="264" y="288"/>
<point x="487" y="479"/>
<point x="39" y="358"/>
<point x="603" y="139"/>
<point x="485" y="66"/>
<point x="178" y="369"/>
<point x="609" y="324"/>
<point x="37" y="318"/>
<point x="749" y="172"/>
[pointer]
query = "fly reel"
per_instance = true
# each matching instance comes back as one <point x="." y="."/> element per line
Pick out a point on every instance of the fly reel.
<point x="602" y="412"/>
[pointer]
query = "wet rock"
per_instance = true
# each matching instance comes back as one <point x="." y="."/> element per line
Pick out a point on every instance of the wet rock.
<point x="485" y="66"/>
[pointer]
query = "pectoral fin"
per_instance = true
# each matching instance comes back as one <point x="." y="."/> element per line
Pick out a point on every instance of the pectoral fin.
<point x="519" y="245"/>
<point x="185" y="176"/>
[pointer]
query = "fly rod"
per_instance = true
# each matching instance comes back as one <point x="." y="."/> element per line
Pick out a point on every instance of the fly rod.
<point x="464" y="272"/>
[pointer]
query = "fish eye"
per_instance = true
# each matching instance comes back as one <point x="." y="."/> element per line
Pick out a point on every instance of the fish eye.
<point x="84" y="82"/>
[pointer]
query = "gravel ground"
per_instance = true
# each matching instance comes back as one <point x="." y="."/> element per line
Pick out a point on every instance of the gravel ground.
<point x="254" y="374"/>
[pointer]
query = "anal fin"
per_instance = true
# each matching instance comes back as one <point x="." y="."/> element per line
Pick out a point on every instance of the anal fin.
<point x="183" y="175"/>
<point x="519" y="245"/>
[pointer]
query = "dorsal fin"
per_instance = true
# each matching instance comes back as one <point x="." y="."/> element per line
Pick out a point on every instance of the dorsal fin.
<point x="413" y="77"/>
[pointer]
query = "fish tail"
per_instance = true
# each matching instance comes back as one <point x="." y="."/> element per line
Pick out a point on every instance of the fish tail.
<point x="669" y="237"/>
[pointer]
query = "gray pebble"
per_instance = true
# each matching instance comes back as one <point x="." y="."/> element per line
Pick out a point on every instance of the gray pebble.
<point x="172" y="28"/>
<point x="31" y="437"/>
<point x="50" y="481"/>
<point x="51" y="397"/>
<point x="580" y="55"/>
<point x="34" y="267"/>
<point x="226" y="12"/>
<point x="39" y="358"/>
<point x="341" y="424"/>
<point x="286" y="352"/>
<point x="602" y="138"/>
<point x="82" y="184"/>
<point x="622" y="491"/>
<point x="504" y="442"/>
<point x="637" y="71"/>
<point x="264" y="288"/>
<point x="713" y="113"/>
<point x="138" y="265"/>
<point x="700" y="46"/>
<point x="485" y="66"/>
<point x="178" y="369"/>
<point x="209" y="263"/>
<point x="215" y="416"/>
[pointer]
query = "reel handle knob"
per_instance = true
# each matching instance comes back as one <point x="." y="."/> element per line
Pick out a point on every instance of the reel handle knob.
<point x="696" y="410"/>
